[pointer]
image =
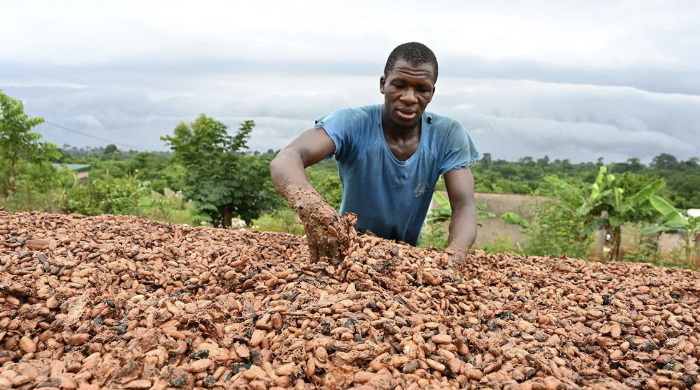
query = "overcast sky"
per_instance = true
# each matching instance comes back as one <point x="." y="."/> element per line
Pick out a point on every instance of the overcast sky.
<point x="567" y="79"/>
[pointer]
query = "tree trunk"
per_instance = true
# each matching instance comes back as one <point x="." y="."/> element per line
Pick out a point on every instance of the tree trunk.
<point x="689" y="250"/>
<point x="226" y="223"/>
<point x="14" y="172"/>
<point x="615" y="242"/>
<point x="618" y="234"/>
<point x="689" y="258"/>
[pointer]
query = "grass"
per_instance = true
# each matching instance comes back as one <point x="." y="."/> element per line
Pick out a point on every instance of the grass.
<point x="171" y="210"/>
<point x="433" y="236"/>
<point x="50" y="202"/>
<point x="281" y="221"/>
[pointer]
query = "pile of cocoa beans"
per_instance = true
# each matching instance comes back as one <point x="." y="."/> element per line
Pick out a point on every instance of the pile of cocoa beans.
<point x="119" y="302"/>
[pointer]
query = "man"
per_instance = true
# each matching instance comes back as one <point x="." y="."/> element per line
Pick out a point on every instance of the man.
<point x="389" y="158"/>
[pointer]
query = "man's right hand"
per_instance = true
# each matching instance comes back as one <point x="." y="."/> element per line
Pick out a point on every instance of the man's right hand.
<point x="328" y="234"/>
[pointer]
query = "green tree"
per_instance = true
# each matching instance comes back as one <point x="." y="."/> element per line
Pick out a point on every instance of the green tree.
<point x="18" y="142"/>
<point x="664" y="161"/>
<point x="222" y="181"/>
<point x="632" y="165"/>
<point x="674" y="222"/>
<point x="111" y="149"/>
<point x="527" y="161"/>
<point x="486" y="159"/>
<point x="604" y="204"/>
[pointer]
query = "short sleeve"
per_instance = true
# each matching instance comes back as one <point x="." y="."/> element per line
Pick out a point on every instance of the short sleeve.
<point x="345" y="127"/>
<point x="459" y="150"/>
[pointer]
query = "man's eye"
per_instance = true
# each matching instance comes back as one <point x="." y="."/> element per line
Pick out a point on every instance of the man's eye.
<point x="398" y="85"/>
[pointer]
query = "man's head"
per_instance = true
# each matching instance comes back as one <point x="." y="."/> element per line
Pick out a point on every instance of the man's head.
<point x="408" y="84"/>
<point x="415" y="54"/>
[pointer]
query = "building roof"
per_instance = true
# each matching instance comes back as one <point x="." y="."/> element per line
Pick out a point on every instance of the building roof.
<point x="74" y="167"/>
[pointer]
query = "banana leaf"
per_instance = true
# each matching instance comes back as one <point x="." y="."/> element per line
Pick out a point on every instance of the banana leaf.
<point x="515" y="219"/>
<point x="444" y="203"/>
<point x="669" y="212"/>
<point x="654" y="229"/>
<point x="647" y="191"/>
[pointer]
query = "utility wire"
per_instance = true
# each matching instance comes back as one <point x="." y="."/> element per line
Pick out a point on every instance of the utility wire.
<point x="92" y="136"/>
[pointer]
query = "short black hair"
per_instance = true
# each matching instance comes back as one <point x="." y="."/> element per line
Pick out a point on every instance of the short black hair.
<point x="414" y="53"/>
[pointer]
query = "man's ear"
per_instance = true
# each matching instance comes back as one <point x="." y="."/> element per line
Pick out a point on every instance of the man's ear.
<point x="382" y="81"/>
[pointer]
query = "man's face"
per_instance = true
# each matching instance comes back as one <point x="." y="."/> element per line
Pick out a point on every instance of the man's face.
<point x="407" y="91"/>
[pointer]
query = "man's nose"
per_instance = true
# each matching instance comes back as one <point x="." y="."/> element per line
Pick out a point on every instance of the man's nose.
<point x="409" y="97"/>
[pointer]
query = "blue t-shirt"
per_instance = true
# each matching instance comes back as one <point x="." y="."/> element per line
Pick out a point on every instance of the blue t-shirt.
<point x="391" y="197"/>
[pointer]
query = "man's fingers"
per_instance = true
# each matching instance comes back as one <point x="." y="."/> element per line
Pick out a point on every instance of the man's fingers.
<point x="313" y="252"/>
<point x="327" y="240"/>
<point x="336" y="251"/>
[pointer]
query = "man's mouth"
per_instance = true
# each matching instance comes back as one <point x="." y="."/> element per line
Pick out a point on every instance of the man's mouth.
<point x="407" y="114"/>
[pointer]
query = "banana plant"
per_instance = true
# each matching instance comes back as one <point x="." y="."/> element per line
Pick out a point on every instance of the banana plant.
<point x="444" y="213"/>
<point x="675" y="222"/>
<point x="604" y="204"/>
<point x="515" y="219"/>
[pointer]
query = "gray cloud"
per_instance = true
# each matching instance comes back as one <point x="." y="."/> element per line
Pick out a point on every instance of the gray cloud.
<point x="570" y="80"/>
<point x="508" y="118"/>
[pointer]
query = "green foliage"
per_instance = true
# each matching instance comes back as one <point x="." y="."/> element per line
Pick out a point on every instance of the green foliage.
<point x="645" y="253"/>
<point x="556" y="231"/>
<point x="444" y="212"/>
<point x="162" y="171"/>
<point x="440" y="185"/>
<point x="325" y="179"/>
<point x="125" y="196"/>
<point x="480" y="213"/>
<point x="171" y="210"/>
<point x="433" y="235"/>
<point x="221" y="180"/>
<point x="440" y="214"/>
<point x="605" y="204"/>
<point x="515" y="219"/>
<point x="672" y="221"/>
<point x="18" y="143"/>
<point x="279" y="221"/>
<point x="332" y="191"/>
<point x="110" y="196"/>
<point x="111" y="149"/>
<point x="503" y="244"/>
<point x="527" y="176"/>
<point x="40" y="187"/>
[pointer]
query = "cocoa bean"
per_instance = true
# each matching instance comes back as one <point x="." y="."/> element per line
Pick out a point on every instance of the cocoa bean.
<point x="121" y="302"/>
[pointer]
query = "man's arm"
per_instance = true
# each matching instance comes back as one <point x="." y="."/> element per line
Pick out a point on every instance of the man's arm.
<point x="327" y="233"/>
<point x="460" y="190"/>
<point x="287" y="170"/>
